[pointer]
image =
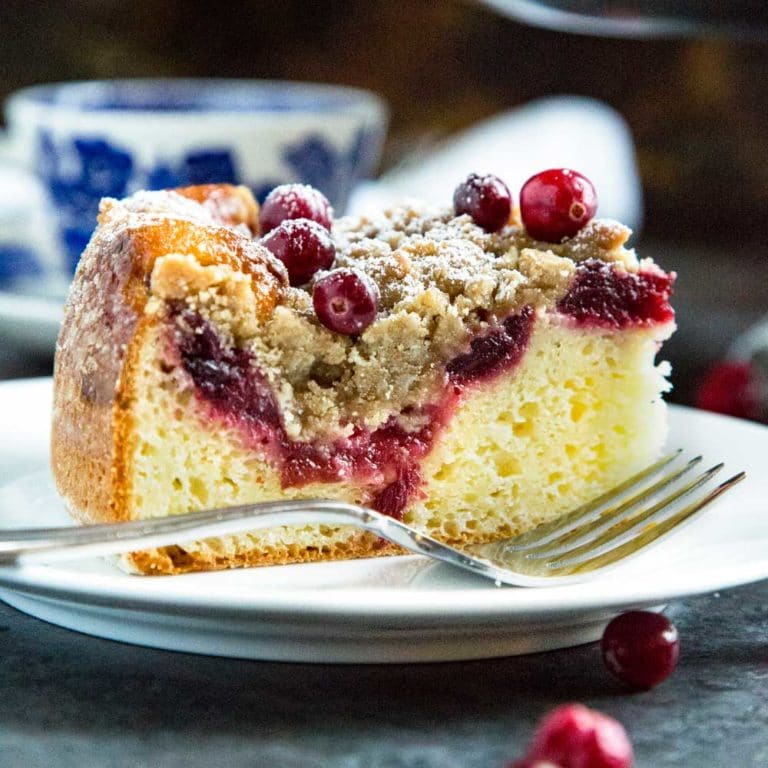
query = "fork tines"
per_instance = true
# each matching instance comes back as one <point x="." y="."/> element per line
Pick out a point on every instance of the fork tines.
<point x="620" y="522"/>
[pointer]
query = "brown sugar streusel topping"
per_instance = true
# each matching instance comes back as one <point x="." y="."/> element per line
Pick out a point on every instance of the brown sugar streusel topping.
<point x="441" y="280"/>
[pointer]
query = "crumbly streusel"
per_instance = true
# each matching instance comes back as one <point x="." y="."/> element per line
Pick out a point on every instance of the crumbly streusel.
<point x="442" y="280"/>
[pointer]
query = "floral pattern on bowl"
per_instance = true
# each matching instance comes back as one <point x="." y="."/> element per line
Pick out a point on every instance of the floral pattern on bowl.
<point x="80" y="172"/>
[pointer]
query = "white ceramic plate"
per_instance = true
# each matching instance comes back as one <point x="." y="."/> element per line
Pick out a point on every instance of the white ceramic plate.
<point x="381" y="610"/>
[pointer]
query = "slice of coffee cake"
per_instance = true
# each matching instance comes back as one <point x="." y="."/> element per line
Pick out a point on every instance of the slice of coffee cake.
<point x="440" y="366"/>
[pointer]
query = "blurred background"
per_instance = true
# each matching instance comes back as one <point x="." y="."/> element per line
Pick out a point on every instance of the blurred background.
<point x="697" y="109"/>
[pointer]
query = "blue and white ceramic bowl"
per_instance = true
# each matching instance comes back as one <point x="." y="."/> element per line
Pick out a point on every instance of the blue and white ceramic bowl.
<point x="88" y="140"/>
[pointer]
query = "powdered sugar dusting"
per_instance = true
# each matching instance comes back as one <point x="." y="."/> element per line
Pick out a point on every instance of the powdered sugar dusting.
<point x="412" y="249"/>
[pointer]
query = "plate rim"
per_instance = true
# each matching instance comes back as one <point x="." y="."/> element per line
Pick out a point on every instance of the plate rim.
<point x="455" y="607"/>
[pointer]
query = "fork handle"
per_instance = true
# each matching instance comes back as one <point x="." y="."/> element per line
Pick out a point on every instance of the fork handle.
<point x="34" y="545"/>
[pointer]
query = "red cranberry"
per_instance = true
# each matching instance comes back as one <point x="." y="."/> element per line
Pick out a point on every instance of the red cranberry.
<point x="601" y="297"/>
<point x="498" y="350"/>
<point x="303" y="246"/>
<point x="730" y="387"/>
<point x="573" y="736"/>
<point x="225" y="376"/>
<point x="346" y="301"/>
<point x="556" y="204"/>
<point x="641" y="648"/>
<point x="294" y="201"/>
<point x="486" y="199"/>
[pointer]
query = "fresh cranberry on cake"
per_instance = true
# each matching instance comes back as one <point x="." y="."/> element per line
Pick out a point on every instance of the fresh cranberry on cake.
<point x="295" y="201"/>
<point x="556" y="204"/>
<point x="345" y="301"/>
<point x="303" y="246"/>
<point x="446" y="367"/>
<point x="486" y="199"/>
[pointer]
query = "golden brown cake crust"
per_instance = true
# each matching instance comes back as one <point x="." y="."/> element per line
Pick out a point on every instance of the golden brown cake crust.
<point x="170" y="561"/>
<point x="228" y="204"/>
<point x="104" y="323"/>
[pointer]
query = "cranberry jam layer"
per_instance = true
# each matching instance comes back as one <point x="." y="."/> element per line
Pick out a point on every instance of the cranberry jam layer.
<point x="470" y="383"/>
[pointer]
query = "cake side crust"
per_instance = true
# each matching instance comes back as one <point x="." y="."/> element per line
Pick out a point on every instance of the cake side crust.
<point x="104" y="321"/>
<point x="97" y="332"/>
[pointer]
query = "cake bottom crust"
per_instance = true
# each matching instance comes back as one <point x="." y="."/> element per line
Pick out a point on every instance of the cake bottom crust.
<point x="579" y="414"/>
<point x="166" y="561"/>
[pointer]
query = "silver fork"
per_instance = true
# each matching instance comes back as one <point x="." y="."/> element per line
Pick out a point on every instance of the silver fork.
<point x="607" y="530"/>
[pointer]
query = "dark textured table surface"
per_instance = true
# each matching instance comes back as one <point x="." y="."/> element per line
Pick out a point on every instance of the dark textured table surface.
<point x="71" y="700"/>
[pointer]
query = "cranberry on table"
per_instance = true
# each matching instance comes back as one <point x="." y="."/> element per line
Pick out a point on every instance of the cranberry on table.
<point x="574" y="736"/>
<point x="486" y="199"/>
<point x="556" y="204"/>
<point x="294" y="201"/>
<point x="303" y="246"/>
<point x="641" y="648"/>
<point x="731" y="387"/>
<point x="346" y="301"/>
